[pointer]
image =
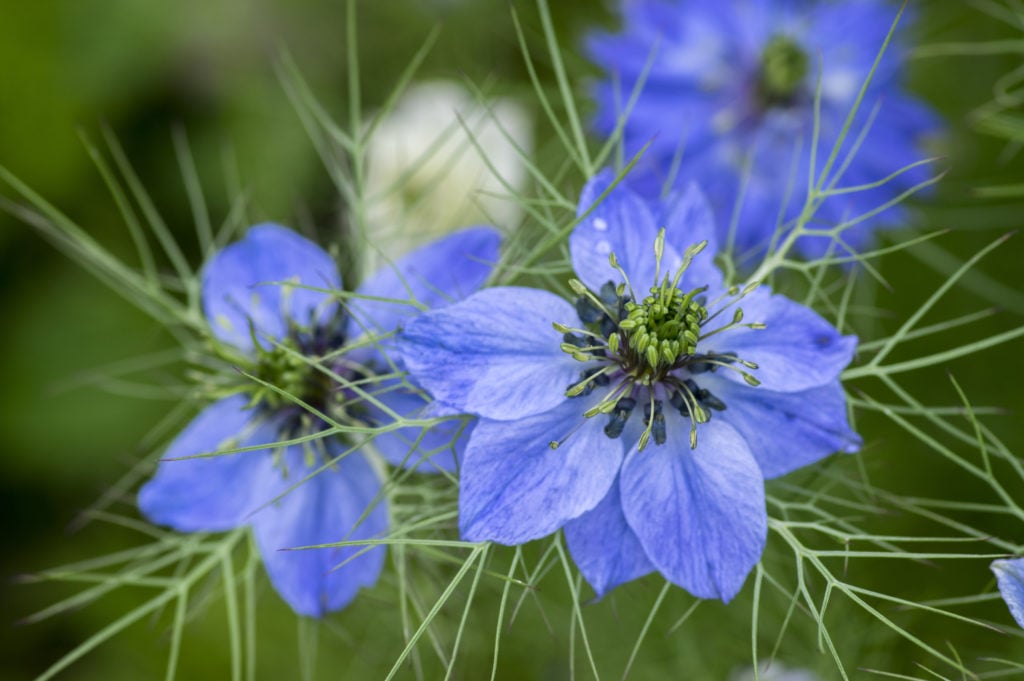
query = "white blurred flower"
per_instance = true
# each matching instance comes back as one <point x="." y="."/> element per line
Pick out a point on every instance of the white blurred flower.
<point x="774" y="671"/>
<point x="425" y="177"/>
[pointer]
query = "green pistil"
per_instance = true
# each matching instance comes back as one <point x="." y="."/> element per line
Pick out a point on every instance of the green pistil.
<point x="784" y="66"/>
<point x="285" y="368"/>
<point x="662" y="329"/>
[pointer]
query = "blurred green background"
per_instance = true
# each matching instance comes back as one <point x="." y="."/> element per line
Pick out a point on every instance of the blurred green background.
<point x="144" y="68"/>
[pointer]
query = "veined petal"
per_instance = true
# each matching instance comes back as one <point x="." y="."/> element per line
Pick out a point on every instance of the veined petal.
<point x="605" y="548"/>
<point x="688" y="219"/>
<point x="787" y="431"/>
<point x="435" y="275"/>
<point x="621" y="224"/>
<point x="218" y="492"/>
<point x="327" y="508"/>
<point x="699" y="514"/>
<point x="427" y="449"/>
<point x="516" y="488"/>
<point x="494" y="354"/>
<point x="797" y="351"/>
<point x="1010" y="577"/>
<point x="238" y="288"/>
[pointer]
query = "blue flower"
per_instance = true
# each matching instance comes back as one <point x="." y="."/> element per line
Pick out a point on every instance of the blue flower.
<point x="733" y="82"/>
<point x="634" y="423"/>
<point x="311" y="493"/>
<point x="1010" y="576"/>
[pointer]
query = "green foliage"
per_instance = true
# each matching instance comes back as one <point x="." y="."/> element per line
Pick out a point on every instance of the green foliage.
<point x="877" y="563"/>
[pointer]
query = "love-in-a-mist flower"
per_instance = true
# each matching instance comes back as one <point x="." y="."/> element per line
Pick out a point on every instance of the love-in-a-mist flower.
<point x="1010" y="578"/>
<point x="268" y="302"/>
<point x="644" y="416"/>
<point x="728" y="101"/>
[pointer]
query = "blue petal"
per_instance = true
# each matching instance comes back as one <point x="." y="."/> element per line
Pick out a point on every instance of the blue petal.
<point x="604" y="547"/>
<point x="494" y="354"/>
<point x="1010" y="576"/>
<point x="215" y="493"/>
<point x="515" y="487"/>
<point x="786" y="431"/>
<point x="621" y="224"/>
<point x="797" y="351"/>
<point x="438" y="274"/>
<point x="327" y="508"/>
<point x="700" y="514"/>
<point x="237" y="285"/>
<point x="688" y="219"/>
<point x="428" y="450"/>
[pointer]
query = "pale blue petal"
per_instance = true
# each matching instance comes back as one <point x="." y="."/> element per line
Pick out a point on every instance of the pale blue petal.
<point x="621" y="224"/>
<point x="214" y="493"/>
<point x="516" y="488"/>
<point x="327" y="508"/>
<point x="797" y="351"/>
<point x="238" y="288"/>
<point x="427" y="449"/>
<point x="435" y="275"/>
<point x="604" y="547"/>
<point x="494" y="354"/>
<point x="688" y="219"/>
<point x="700" y="514"/>
<point x="786" y="431"/>
<point x="1010" y="577"/>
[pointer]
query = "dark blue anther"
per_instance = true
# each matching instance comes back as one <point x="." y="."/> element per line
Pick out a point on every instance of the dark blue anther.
<point x="711" y="402"/>
<point x="679" y="403"/>
<point x="618" y="418"/>
<point x="600" y="379"/>
<point x="700" y="367"/>
<point x="608" y="326"/>
<point x="587" y="389"/>
<point x="573" y="339"/>
<point x="657" y="424"/>
<point x="609" y="296"/>
<point x="727" y="357"/>
<point x="587" y="311"/>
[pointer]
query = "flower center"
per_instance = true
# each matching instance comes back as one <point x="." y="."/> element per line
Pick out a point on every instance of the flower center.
<point x="299" y="375"/>
<point x="288" y="369"/>
<point x="660" y="330"/>
<point x="784" y="66"/>
<point x="648" y="353"/>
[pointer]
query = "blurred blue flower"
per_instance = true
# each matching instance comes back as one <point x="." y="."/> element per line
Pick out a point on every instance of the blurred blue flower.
<point x="732" y="83"/>
<point x="267" y="299"/>
<point x="1010" y="576"/>
<point x="676" y="367"/>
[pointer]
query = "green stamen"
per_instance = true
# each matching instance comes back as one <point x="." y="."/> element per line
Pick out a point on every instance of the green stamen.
<point x="663" y="327"/>
<point x="285" y="367"/>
